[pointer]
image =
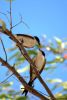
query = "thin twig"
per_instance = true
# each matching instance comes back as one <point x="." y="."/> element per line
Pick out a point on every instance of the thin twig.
<point x="5" y="16"/>
<point x="3" y="48"/>
<point x="10" y="16"/>
<point x="17" y="24"/>
<point x="24" y="22"/>
<point x="20" y="78"/>
<point x="6" y="79"/>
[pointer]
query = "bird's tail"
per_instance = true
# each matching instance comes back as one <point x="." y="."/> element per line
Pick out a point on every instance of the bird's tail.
<point x="26" y="91"/>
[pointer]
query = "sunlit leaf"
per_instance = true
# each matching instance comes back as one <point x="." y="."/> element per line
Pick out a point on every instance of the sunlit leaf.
<point x="23" y="69"/>
<point x="20" y="58"/>
<point x="11" y="91"/>
<point x="4" y="96"/>
<point x="64" y="84"/>
<point x="55" y="80"/>
<point x="48" y="48"/>
<point x="12" y="49"/>
<point x="58" y="94"/>
<point x="50" y="68"/>
<point x="59" y="41"/>
<point x="13" y="56"/>
<point x="54" y="50"/>
<point x="52" y="62"/>
<point x="18" y="63"/>
<point x="59" y="59"/>
<point x="30" y="52"/>
<point x="61" y="84"/>
<point x="6" y="84"/>
<point x="54" y="87"/>
<point x="63" y="90"/>
<point x="2" y="23"/>
<point x="22" y="98"/>
<point x="62" y="97"/>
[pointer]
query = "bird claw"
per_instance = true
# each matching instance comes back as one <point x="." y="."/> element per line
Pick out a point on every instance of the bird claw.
<point x="25" y="92"/>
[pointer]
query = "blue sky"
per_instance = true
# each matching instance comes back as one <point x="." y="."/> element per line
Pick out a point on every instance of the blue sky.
<point x="44" y="17"/>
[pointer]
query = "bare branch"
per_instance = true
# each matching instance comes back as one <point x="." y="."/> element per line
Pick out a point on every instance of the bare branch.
<point x="3" y="48"/>
<point x="5" y="79"/>
<point x="24" y="22"/>
<point x="17" y="24"/>
<point x="10" y="16"/>
<point x="20" y="78"/>
<point x="5" y="16"/>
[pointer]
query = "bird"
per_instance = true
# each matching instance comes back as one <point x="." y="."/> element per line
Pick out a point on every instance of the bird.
<point x="27" y="40"/>
<point x="40" y="61"/>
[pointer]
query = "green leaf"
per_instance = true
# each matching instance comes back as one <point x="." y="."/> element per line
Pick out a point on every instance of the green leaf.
<point x="61" y="84"/>
<point x="2" y="23"/>
<point x="18" y="63"/>
<point x="54" y="87"/>
<point x="13" y="56"/>
<point x="10" y="92"/>
<point x="55" y="80"/>
<point x="59" y="42"/>
<point x="50" y="68"/>
<point x="12" y="49"/>
<point x="59" y="59"/>
<point x="63" y="97"/>
<point x="20" y="59"/>
<point x="3" y="96"/>
<point x="23" y="69"/>
<point x="64" y="84"/>
<point x="6" y="84"/>
<point x="22" y="98"/>
<point x="30" y="52"/>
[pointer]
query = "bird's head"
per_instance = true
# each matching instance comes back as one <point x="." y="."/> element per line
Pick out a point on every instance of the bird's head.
<point x="38" y="41"/>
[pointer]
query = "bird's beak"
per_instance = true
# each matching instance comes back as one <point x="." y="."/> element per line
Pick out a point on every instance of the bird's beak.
<point x="40" y="46"/>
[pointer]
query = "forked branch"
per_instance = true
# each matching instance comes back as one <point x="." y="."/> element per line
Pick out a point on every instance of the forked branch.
<point x="25" y="54"/>
<point x="20" y="78"/>
<point x="3" y="48"/>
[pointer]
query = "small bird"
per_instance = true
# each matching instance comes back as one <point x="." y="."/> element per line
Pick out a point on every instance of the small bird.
<point x="27" y="40"/>
<point x="40" y="62"/>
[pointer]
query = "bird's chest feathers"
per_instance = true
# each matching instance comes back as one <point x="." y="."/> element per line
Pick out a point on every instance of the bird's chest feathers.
<point x="39" y="61"/>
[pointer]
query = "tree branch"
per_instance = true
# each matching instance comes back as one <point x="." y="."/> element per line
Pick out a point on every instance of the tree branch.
<point x="4" y="49"/>
<point x="21" y="21"/>
<point x="20" y="78"/>
<point x="5" y="79"/>
<point x="17" y="23"/>
<point x="24" y="22"/>
<point x="25" y="54"/>
<point x="10" y="16"/>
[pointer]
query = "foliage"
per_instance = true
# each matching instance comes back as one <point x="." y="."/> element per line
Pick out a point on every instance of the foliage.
<point x="2" y="23"/>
